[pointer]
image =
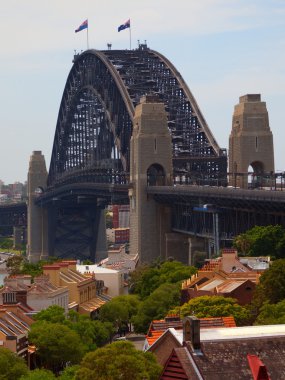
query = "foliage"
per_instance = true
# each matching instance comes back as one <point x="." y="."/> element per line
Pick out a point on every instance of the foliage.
<point x="262" y="241"/>
<point x="156" y="306"/>
<point x="271" y="314"/>
<point x="213" y="306"/>
<point x="53" y="314"/>
<point x="12" y="367"/>
<point x="33" y="269"/>
<point x="271" y="285"/>
<point x="14" y="264"/>
<point x="6" y="243"/>
<point x="120" y="310"/>
<point x="39" y="374"/>
<point x="146" y="279"/>
<point x="92" y="333"/>
<point x="56" y="345"/>
<point x="119" y="360"/>
<point x="69" y="372"/>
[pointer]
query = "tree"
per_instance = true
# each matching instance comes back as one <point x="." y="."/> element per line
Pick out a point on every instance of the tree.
<point x="262" y="241"/>
<point x="56" y="345"/>
<point x="213" y="306"/>
<point x="120" y="310"/>
<point x="14" y="264"/>
<point x="53" y="314"/>
<point x="156" y="306"/>
<point x="12" y="367"/>
<point x="69" y="372"/>
<point x="271" y="285"/>
<point x="271" y="314"/>
<point x="39" y="374"/>
<point x="148" y="278"/>
<point x="93" y="334"/>
<point x="119" y="360"/>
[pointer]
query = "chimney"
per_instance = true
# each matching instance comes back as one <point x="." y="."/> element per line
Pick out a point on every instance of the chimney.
<point x="258" y="369"/>
<point x="191" y="331"/>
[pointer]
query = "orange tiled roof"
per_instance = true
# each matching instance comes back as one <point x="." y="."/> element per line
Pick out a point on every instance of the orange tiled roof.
<point x="158" y="327"/>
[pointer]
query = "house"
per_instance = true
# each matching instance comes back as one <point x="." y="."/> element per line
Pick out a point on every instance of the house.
<point x="165" y="335"/>
<point x="85" y="292"/>
<point x="14" y="328"/>
<point x="36" y="296"/>
<point x="240" y="353"/>
<point x="225" y="276"/>
<point x="113" y="279"/>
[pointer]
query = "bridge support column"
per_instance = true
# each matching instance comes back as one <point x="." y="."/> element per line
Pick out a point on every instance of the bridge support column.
<point x="17" y="237"/>
<point x="37" y="247"/>
<point x="101" y="241"/>
<point x="177" y="247"/>
<point x="250" y="143"/>
<point x="151" y="164"/>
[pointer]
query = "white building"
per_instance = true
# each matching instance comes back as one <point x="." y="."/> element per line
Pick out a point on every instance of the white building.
<point x="113" y="279"/>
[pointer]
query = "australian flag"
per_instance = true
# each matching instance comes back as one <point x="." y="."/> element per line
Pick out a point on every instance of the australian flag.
<point x="126" y="25"/>
<point x="84" y="25"/>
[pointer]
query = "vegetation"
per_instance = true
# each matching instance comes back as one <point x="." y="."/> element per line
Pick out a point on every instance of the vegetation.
<point x="39" y="374"/>
<point x="156" y="306"/>
<point x="57" y="345"/>
<point x="213" y="306"/>
<point x="271" y="314"/>
<point x="262" y="241"/>
<point x="119" y="360"/>
<point x="92" y="333"/>
<point x="146" y="279"/>
<point x="17" y="264"/>
<point x="6" y="243"/>
<point x="12" y="367"/>
<point x="120" y="311"/>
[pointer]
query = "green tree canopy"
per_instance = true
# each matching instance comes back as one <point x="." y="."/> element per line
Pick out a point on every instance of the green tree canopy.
<point x="39" y="374"/>
<point x="53" y="314"/>
<point x="262" y="241"/>
<point x="271" y="314"/>
<point x="14" y="264"/>
<point x="271" y="285"/>
<point x="120" y="310"/>
<point x="12" y="367"/>
<point x="146" y="279"/>
<point x="56" y="345"/>
<point x="119" y="360"/>
<point x="93" y="334"/>
<point x="69" y="372"/>
<point x="213" y="306"/>
<point x="156" y="306"/>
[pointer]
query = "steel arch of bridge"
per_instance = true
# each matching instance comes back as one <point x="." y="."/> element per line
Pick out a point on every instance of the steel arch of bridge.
<point x="94" y="123"/>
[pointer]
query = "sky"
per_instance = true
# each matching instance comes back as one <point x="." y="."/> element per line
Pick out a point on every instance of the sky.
<point x="222" y="48"/>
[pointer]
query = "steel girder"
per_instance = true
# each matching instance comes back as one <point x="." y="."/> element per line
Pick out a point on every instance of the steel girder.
<point x="94" y="123"/>
<point x="13" y="215"/>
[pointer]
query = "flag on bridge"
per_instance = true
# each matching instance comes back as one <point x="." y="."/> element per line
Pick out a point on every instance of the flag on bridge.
<point x="84" y="25"/>
<point x="126" y="25"/>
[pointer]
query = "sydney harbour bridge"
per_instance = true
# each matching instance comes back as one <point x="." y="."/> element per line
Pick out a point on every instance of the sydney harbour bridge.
<point x="90" y="162"/>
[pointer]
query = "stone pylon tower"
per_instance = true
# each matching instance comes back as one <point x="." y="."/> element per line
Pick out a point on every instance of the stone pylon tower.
<point x="251" y="141"/>
<point x="37" y="247"/>
<point x="151" y="164"/>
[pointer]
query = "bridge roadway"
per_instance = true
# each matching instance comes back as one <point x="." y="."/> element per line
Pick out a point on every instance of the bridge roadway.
<point x="238" y="209"/>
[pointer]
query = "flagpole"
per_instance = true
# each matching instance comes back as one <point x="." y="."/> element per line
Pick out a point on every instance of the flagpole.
<point x="87" y="36"/>
<point x="130" y="38"/>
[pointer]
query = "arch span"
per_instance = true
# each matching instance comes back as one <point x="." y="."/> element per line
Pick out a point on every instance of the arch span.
<point x="94" y="122"/>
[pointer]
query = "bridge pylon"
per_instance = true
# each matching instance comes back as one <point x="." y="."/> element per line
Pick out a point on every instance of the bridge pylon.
<point x="150" y="164"/>
<point x="250" y="142"/>
<point x="37" y="247"/>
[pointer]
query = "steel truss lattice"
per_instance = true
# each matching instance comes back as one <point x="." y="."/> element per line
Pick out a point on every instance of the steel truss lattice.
<point x="95" y="118"/>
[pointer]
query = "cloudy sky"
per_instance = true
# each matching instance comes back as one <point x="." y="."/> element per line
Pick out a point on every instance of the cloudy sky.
<point x="222" y="48"/>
